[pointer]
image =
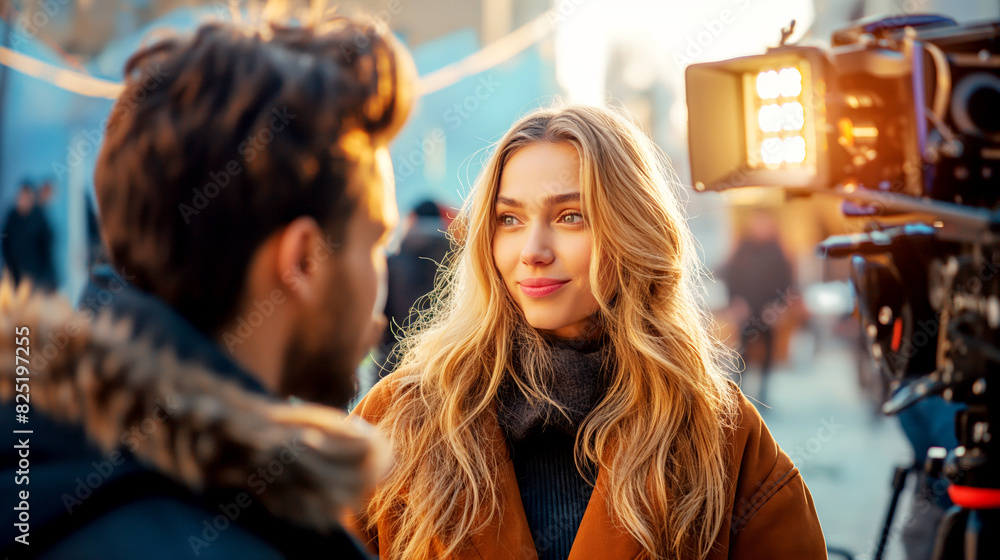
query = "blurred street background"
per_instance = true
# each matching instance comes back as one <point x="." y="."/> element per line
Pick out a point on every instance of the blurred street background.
<point x="483" y="63"/>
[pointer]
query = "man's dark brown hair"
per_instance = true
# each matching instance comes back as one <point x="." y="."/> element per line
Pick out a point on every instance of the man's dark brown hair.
<point x="222" y="138"/>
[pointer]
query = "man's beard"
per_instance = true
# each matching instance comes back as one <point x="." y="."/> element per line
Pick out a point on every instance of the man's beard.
<point x="326" y="374"/>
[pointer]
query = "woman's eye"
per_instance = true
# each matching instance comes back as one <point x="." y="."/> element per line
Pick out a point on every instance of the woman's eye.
<point x="572" y="218"/>
<point x="507" y="220"/>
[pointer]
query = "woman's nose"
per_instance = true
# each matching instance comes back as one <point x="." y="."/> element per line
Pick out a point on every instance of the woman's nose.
<point x="537" y="250"/>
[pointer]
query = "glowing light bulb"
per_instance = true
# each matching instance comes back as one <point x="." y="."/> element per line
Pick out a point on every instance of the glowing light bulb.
<point x="793" y="116"/>
<point x="768" y="86"/>
<point x="771" y="151"/>
<point x="770" y="118"/>
<point x="789" y="82"/>
<point x="794" y="149"/>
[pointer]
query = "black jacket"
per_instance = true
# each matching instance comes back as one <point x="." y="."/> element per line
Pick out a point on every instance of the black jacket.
<point x="148" y="442"/>
<point x="27" y="247"/>
<point x="411" y="276"/>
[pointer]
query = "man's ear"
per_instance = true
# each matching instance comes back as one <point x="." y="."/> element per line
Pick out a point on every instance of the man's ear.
<point x="301" y="250"/>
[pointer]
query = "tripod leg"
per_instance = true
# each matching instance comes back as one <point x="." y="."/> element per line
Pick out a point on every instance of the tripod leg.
<point x="898" y="483"/>
<point x="951" y="535"/>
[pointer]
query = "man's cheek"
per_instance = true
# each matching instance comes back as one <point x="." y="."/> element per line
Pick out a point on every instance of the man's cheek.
<point x="379" y="325"/>
<point x="381" y="278"/>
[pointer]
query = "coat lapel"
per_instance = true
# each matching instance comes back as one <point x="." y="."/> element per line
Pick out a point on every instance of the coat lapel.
<point x="509" y="537"/>
<point x="598" y="536"/>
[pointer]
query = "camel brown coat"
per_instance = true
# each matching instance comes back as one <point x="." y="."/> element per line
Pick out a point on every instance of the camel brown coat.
<point x="770" y="517"/>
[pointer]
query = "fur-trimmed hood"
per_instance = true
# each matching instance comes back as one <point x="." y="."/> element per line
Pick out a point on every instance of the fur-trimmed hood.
<point x="210" y="432"/>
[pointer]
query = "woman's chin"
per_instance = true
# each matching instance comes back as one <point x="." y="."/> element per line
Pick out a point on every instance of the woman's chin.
<point x="558" y="331"/>
<point x="546" y="325"/>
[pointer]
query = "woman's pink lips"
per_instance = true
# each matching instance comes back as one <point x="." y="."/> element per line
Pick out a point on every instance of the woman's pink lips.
<point x="541" y="287"/>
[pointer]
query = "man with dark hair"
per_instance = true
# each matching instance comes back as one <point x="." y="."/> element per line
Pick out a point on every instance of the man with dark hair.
<point x="245" y="196"/>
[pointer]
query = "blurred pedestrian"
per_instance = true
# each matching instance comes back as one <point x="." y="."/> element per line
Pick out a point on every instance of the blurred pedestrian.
<point x="27" y="241"/>
<point x="45" y="194"/>
<point x="411" y="275"/>
<point x="245" y="193"/>
<point x="567" y="393"/>
<point x="758" y="276"/>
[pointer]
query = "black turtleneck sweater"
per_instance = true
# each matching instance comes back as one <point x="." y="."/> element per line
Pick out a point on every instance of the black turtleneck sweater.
<point x="541" y="441"/>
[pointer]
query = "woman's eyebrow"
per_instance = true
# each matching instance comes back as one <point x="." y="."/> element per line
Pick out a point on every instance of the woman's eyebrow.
<point x="509" y="202"/>
<point x="548" y="201"/>
<point x="563" y="198"/>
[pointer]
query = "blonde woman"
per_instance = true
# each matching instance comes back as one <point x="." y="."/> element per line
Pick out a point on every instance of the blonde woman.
<point x="565" y="398"/>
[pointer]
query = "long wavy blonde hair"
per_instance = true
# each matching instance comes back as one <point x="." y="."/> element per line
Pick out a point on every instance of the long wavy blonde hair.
<point x="660" y="430"/>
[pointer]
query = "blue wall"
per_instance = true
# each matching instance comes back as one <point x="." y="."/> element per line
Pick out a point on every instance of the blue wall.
<point x="50" y="133"/>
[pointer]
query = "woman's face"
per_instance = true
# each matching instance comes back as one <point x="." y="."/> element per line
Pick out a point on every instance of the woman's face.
<point x="542" y="242"/>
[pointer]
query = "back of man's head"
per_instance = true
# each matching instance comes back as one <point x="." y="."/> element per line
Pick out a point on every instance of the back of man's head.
<point x="222" y="138"/>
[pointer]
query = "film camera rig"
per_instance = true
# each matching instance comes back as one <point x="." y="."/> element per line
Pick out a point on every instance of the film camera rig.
<point x="900" y="117"/>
